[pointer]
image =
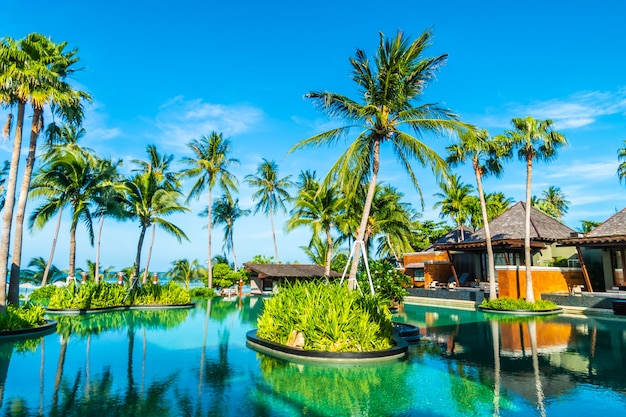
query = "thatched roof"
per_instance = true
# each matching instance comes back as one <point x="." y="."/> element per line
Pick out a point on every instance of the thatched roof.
<point x="610" y="233"/>
<point x="509" y="230"/>
<point x="289" y="270"/>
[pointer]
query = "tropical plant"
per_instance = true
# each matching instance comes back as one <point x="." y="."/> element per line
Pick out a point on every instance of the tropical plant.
<point x="552" y="202"/>
<point x="210" y="164"/>
<point x="621" y="157"/>
<point x="262" y="259"/>
<point x="72" y="178"/>
<point x="226" y="211"/>
<point x="271" y="192"/>
<point x="184" y="271"/>
<point x="388" y="93"/>
<point x="506" y="303"/>
<point x="455" y="201"/>
<point x="534" y="140"/>
<point x="316" y="206"/>
<point x="389" y="283"/>
<point x="32" y="70"/>
<point x="486" y="156"/>
<point x="225" y="277"/>
<point x="428" y="232"/>
<point x="4" y="171"/>
<point x="328" y="317"/>
<point x="19" y="318"/>
<point x="587" y="226"/>
<point x="37" y="267"/>
<point x="149" y="204"/>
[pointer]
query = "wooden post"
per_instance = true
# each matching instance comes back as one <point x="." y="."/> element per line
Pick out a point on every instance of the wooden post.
<point x="584" y="268"/>
<point x="456" y="278"/>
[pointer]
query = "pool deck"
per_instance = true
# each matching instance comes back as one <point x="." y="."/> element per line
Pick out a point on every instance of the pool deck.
<point x="586" y="303"/>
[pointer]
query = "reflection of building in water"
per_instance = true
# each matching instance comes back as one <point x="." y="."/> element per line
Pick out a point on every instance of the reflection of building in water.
<point x="551" y="337"/>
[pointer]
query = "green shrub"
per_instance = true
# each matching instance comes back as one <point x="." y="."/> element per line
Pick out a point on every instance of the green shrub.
<point x="388" y="281"/>
<point x="202" y="292"/>
<point x="43" y="293"/>
<point x="330" y="317"/>
<point x="170" y="294"/>
<point x="24" y="317"/>
<point x="506" y="303"/>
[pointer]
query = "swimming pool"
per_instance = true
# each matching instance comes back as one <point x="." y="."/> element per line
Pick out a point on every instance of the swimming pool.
<point x="195" y="363"/>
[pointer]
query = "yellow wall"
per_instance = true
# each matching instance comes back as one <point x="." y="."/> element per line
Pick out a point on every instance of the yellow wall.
<point x="512" y="280"/>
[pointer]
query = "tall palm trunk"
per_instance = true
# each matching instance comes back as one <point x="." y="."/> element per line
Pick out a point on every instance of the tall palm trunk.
<point x="495" y="338"/>
<point x="359" y="243"/>
<point x="9" y="204"/>
<point x="145" y="271"/>
<point x="71" y="273"/>
<point x="273" y="233"/>
<point x="329" y="253"/>
<point x="97" y="266"/>
<point x="491" y="265"/>
<point x="139" y="246"/>
<point x="16" y="257"/>
<point x="44" y="279"/>
<point x="232" y="248"/>
<point x="530" y="296"/>
<point x="209" y="262"/>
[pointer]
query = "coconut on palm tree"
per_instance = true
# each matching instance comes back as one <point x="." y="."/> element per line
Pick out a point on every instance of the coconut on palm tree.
<point x="271" y="193"/>
<point x="535" y="140"/>
<point x="390" y="86"/>
<point x="485" y="155"/>
<point x="210" y="165"/>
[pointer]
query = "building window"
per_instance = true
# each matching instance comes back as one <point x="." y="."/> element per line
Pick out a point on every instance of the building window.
<point x="418" y="275"/>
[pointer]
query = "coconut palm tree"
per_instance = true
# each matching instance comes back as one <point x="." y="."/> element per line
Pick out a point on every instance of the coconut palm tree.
<point x="150" y="203"/>
<point x="388" y="93"/>
<point x="455" y="200"/>
<point x="184" y="271"/>
<point x="210" y="165"/>
<point x="486" y="156"/>
<point x="73" y="178"/>
<point x="38" y="266"/>
<point x="552" y="202"/>
<point x="271" y="192"/>
<point x="33" y="71"/>
<point x="158" y="165"/>
<point x="4" y="171"/>
<point x="534" y="140"/>
<point x="621" y="157"/>
<point x="316" y="206"/>
<point x="226" y="211"/>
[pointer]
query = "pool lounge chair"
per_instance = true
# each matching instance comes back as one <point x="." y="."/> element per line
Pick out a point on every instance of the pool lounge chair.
<point x="463" y="279"/>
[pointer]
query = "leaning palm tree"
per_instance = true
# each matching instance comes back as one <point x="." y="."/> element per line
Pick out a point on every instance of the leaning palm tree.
<point x="150" y="203"/>
<point x="388" y="93"/>
<point x="271" y="192"/>
<point x="455" y="200"/>
<point x="534" y="140"/>
<point x="486" y="156"/>
<point x="33" y="71"/>
<point x="316" y="206"/>
<point x="210" y="165"/>
<point x="226" y="211"/>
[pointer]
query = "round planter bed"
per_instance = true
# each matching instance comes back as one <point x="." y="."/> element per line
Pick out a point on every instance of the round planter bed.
<point x="81" y="311"/>
<point x="522" y="312"/>
<point x="43" y="330"/>
<point x="299" y="355"/>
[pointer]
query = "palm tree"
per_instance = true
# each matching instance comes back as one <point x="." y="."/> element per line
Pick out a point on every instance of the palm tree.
<point x="552" y="202"/>
<point x="388" y="93"/>
<point x="211" y="164"/>
<point x="621" y="157"/>
<point x="41" y="267"/>
<point x="534" y="140"/>
<point x="455" y="200"/>
<point x="150" y="203"/>
<point x="271" y="192"/>
<point x="3" y="178"/>
<point x="72" y="178"/>
<point x="33" y="70"/>
<point x="226" y="211"/>
<point x="486" y="155"/>
<point x="316" y="206"/>
<point x="587" y="226"/>
<point x="184" y="271"/>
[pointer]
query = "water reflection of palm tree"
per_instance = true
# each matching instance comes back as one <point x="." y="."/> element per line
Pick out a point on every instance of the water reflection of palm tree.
<point x="6" y="350"/>
<point x="203" y="351"/>
<point x="532" y="331"/>
<point x="495" y="337"/>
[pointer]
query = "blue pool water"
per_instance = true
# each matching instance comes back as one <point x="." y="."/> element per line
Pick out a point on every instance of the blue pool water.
<point x="195" y="363"/>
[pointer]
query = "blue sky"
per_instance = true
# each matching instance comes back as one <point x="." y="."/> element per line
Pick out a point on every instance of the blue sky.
<point x="166" y="72"/>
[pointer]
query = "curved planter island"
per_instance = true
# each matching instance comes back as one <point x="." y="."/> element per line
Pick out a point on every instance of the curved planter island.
<point x="43" y="330"/>
<point x="403" y="335"/>
<point x="522" y="313"/>
<point x="81" y="311"/>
